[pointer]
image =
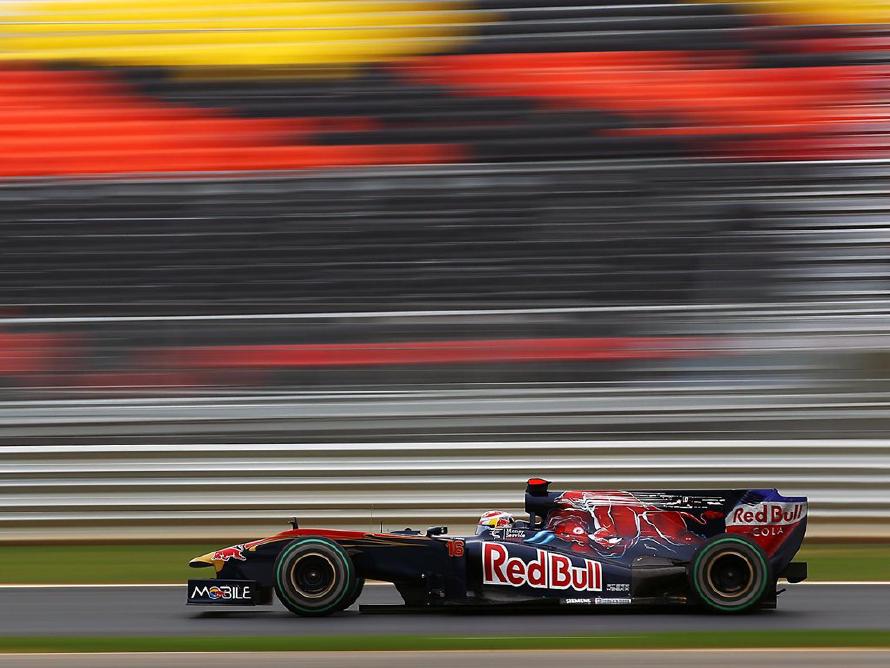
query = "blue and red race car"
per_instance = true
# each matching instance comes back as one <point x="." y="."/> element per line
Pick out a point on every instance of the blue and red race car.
<point x="723" y="550"/>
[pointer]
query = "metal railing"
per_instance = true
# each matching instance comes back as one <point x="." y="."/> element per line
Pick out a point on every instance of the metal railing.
<point x="242" y="489"/>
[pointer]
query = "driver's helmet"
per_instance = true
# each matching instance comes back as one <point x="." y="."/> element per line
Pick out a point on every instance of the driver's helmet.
<point x="494" y="519"/>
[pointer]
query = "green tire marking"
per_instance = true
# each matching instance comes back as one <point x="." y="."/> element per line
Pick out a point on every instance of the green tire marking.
<point x="709" y="548"/>
<point x="299" y="542"/>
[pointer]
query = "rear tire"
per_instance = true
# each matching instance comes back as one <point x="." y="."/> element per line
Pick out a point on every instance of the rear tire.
<point x="729" y="574"/>
<point x="314" y="576"/>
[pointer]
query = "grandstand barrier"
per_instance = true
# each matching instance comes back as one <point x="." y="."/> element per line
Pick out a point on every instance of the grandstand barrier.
<point x="567" y="233"/>
<point x="242" y="490"/>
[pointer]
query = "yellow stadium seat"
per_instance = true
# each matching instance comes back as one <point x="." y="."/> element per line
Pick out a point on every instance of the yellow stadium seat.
<point x="823" y="11"/>
<point x="198" y="33"/>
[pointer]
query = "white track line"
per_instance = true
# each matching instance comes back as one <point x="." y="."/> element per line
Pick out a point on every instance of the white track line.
<point x="611" y="650"/>
<point x="122" y="585"/>
<point x="845" y="583"/>
<point x="830" y="583"/>
<point x="87" y="586"/>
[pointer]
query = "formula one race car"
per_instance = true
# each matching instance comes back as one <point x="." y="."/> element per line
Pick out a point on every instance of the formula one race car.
<point x="722" y="550"/>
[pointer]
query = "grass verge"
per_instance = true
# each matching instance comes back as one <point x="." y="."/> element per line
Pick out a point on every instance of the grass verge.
<point x="100" y="564"/>
<point x="847" y="561"/>
<point x="698" y="640"/>
<point x="131" y="564"/>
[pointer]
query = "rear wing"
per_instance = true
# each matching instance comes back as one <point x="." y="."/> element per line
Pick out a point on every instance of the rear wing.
<point x="776" y="523"/>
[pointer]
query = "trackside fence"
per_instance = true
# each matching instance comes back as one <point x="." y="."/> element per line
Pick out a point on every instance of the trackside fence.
<point x="219" y="489"/>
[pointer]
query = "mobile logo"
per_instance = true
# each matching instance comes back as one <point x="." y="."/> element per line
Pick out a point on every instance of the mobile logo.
<point x="223" y="592"/>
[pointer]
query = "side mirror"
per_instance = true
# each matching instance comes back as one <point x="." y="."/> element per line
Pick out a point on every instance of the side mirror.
<point x="436" y="531"/>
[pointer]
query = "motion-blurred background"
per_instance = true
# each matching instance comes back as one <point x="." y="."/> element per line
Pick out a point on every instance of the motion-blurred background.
<point x="374" y="263"/>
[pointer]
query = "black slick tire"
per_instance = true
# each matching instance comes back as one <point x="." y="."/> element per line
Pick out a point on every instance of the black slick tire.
<point x="729" y="574"/>
<point x="314" y="576"/>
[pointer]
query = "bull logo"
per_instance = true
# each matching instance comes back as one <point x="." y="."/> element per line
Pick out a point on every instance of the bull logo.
<point x="610" y="523"/>
<point x="234" y="552"/>
<point x="237" y="551"/>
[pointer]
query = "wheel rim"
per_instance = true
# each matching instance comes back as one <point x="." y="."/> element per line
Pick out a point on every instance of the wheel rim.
<point x="313" y="575"/>
<point x="730" y="575"/>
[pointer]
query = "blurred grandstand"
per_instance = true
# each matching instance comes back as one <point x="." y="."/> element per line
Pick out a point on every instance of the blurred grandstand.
<point x="676" y="211"/>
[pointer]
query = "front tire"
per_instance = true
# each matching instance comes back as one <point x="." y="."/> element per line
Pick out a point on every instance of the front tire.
<point x="356" y="592"/>
<point x="729" y="574"/>
<point x="314" y="576"/>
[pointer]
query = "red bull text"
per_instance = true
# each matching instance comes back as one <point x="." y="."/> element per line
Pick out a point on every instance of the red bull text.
<point x="547" y="571"/>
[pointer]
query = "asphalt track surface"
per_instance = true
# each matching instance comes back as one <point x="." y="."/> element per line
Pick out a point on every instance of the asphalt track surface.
<point x="500" y="659"/>
<point x="134" y="611"/>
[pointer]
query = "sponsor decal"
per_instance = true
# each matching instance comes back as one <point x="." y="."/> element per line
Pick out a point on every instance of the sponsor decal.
<point x="776" y="514"/>
<point x="237" y="551"/>
<point x="618" y="587"/>
<point x="511" y="535"/>
<point x="223" y="592"/>
<point x="234" y="552"/>
<point x="546" y="571"/>
<point x="611" y="522"/>
<point x="577" y="601"/>
<point x="768" y="522"/>
<point x="612" y="601"/>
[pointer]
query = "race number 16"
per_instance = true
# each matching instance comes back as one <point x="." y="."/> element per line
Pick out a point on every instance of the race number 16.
<point x="455" y="548"/>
